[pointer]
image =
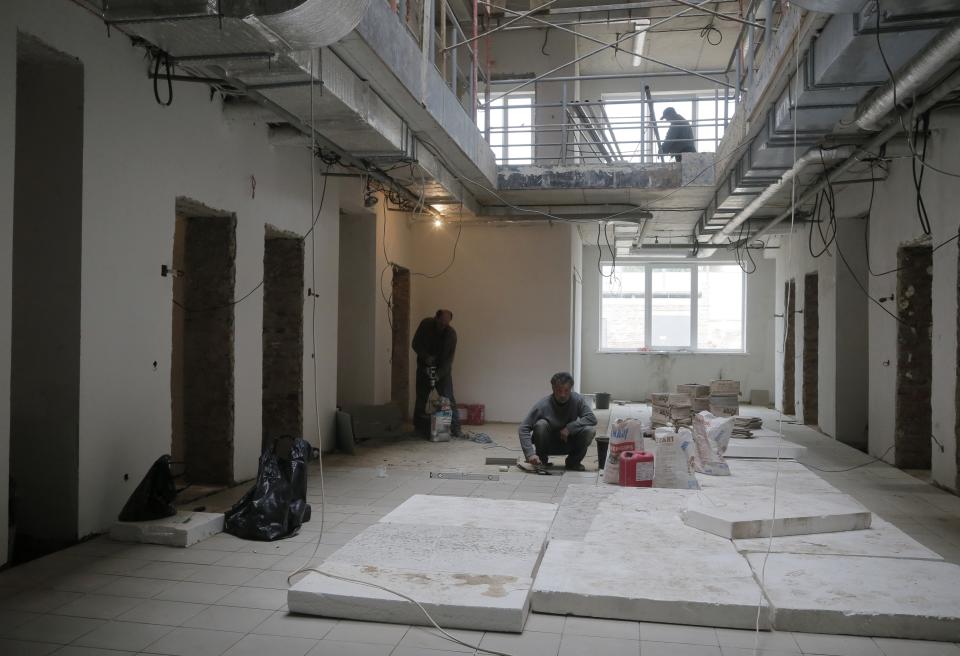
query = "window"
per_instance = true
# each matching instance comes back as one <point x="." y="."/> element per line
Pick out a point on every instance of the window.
<point x="672" y="307"/>
<point x="510" y="134"/>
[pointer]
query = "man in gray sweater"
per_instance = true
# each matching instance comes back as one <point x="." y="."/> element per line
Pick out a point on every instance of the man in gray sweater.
<point x="560" y="424"/>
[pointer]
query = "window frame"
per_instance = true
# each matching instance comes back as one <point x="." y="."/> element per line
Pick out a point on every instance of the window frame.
<point x="506" y="130"/>
<point x="694" y="267"/>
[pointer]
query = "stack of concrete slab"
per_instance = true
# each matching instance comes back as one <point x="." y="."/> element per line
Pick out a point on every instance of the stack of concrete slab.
<point x="469" y="562"/>
<point x="180" y="530"/>
<point x="764" y="444"/>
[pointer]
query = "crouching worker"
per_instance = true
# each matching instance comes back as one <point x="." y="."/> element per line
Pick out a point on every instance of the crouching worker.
<point x="560" y="424"/>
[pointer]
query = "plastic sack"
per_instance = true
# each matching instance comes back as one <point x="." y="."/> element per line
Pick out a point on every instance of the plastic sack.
<point x="625" y="435"/>
<point x="276" y="506"/>
<point x="440" y="422"/>
<point x="673" y="460"/>
<point x="711" y="435"/>
<point x="153" y="498"/>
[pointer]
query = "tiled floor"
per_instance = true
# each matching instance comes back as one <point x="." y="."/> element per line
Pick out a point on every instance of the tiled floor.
<point x="227" y="596"/>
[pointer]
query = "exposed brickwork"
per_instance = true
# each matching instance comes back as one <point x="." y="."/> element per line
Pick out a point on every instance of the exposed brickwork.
<point x="790" y="349"/>
<point x="400" y="320"/>
<point x="210" y="248"/>
<point x="914" y="357"/>
<point x="283" y="296"/>
<point x="811" y="346"/>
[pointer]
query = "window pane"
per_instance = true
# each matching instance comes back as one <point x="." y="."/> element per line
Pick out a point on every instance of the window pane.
<point x="720" y="307"/>
<point x="671" y="307"/>
<point x="623" y="308"/>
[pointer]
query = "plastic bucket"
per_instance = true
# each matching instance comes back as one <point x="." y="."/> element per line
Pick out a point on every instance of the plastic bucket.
<point x="603" y="401"/>
<point x="602" y="442"/>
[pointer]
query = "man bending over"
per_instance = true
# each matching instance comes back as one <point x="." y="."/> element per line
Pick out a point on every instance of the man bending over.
<point x="560" y="424"/>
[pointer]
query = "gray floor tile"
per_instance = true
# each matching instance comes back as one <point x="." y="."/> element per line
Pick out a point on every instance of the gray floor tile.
<point x="384" y="634"/>
<point x="421" y="637"/>
<point x="282" y="623"/>
<point x="581" y="645"/>
<point x="82" y="582"/>
<point x="749" y="651"/>
<point x="123" y="636"/>
<point x="39" y="601"/>
<point x="97" y="606"/>
<point x="265" y="598"/>
<point x="134" y="587"/>
<point x="544" y="623"/>
<point x="223" y="575"/>
<point x="74" y="650"/>
<point x="529" y="643"/>
<point x="157" y="611"/>
<point x="21" y="648"/>
<point x="228" y="618"/>
<point x="54" y="628"/>
<point x="837" y="645"/>
<point x="10" y="619"/>
<point x="677" y="649"/>
<point x="764" y="640"/>
<point x="891" y="647"/>
<point x="198" y="593"/>
<point x="194" y="642"/>
<point x="690" y="635"/>
<point x="260" y="645"/>
<point x="590" y="626"/>
<point x="167" y="571"/>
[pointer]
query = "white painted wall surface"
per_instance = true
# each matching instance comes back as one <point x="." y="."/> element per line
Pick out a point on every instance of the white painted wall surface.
<point x="138" y="158"/>
<point x="8" y="70"/>
<point x="357" y="303"/>
<point x="634" y="376"/>
<point x="394" y="244"/>
<point x="510" y="292"/>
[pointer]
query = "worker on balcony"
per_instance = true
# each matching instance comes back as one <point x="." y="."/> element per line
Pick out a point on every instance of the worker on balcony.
<point x="435" y="344"/>
<point x="560" y="424"/>
<point x="679" y="137"/>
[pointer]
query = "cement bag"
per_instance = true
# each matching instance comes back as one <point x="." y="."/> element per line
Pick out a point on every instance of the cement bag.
<point x="711" y="435"/>
<point x="625" y="435"/>
<point x="440" y="422"/>
<point x="673" y="460"/>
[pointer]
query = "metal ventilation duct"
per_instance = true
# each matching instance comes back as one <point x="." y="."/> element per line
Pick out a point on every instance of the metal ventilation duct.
<point x="294" y="24"/>
<point x="831" y="6"/>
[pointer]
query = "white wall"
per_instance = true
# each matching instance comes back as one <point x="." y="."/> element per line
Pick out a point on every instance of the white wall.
<point x="634" y="376"/>
<point x="510" y="292"/>
<point x="356" y="310"/>
<point x="138" y="157"/>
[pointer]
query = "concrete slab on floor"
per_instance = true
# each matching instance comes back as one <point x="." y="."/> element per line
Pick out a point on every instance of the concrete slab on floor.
<point x="180" y="530"/>
<point x="764" y="446"/>
<point x="453" y="555"/>
<point x="789" y="475"/>
<point x="854" y="595"/>
<point x="748" y="512"/>
<point x="881" y="540"/>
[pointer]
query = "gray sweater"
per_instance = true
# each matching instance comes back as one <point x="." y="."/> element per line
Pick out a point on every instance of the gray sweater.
<point x="574" y="415"/>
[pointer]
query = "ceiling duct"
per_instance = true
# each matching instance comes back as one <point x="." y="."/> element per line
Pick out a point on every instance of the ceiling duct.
<point x="831" y="6"/>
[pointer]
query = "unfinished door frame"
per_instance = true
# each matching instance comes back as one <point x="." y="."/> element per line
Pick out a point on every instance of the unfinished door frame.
<point x="202" y="382"/>
<point x="400" y="336"/>
<point x="811" y="348"/>
<point x="789" y="400"/>
<point x="913" y="424"/>
<point x="282" y="390"/>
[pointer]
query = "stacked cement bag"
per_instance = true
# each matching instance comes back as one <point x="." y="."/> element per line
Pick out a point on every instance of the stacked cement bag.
<point x="725" y="398"/>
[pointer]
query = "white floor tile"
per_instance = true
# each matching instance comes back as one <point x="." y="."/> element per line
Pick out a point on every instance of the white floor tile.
<point x="250" y="560"/>
<point x="544" y="623"/>
<point x="282" y="623"/>
<point x="837" y="645"/>
<point x="529" y="643"/>
<point x="167" y="571"/>
<point x="194" y="642"/>
<point x="681" y="633"/>
<point x="581" y="645"/>
<point x="783" y="641"/>
<point x="223" y="575"/>
<point x="157" y="611"/>
<point x="677" y="649"/>
<point x="265" y="598"/>
<point x="892" y="647"/>
<point x="228" y="618"/>
<point x="590" y="626"/>
<point x="384" y="634"/>
<point x="123" y="636"/>
<point x="421" y="638"/>
<point x="258" y="645"/>
<point x="749" y="651"/>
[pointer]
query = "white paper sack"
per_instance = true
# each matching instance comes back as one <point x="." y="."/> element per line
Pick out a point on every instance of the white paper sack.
<point x="625" y="435"/>
<point x="673" y="460"/>
<point x="711" y="435"/>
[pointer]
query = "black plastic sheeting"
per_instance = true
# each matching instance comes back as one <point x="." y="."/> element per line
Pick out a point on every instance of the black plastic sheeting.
<point x="153" y="498"/>
<point x="276" y="506"/>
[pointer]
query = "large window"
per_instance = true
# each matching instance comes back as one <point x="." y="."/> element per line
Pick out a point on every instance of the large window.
<point x="672" y="307"/>
<point x="510" y="133"/>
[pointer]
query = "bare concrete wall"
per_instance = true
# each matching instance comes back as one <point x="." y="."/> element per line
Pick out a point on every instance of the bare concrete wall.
<point x="358" y="298"/>
<point x="8" y="99"/>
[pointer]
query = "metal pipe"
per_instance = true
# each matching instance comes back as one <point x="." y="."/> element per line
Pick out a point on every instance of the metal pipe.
<point x="608" y="76"/>
<point x="944" y="47"/>
<point x="925" y="103"/>
<point x="718" y="14"/>
<point x="606" y="44"/>
<point x="500" y="27"/>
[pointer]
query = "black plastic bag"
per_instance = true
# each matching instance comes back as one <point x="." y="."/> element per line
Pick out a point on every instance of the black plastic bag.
<point x="276" y="506"/>
<point x="153" y="498"/>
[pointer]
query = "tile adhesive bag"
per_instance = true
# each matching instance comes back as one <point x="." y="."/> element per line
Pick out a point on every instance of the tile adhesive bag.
<point x="711" y="435"/>
<point x="673" y="459"/>
<point x="276" y="505"/>
<point x="625" y="435"/>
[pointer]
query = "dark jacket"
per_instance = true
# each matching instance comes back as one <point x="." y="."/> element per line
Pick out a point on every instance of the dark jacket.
<point x="435" y="347"/>
<point x="679" y="138"/>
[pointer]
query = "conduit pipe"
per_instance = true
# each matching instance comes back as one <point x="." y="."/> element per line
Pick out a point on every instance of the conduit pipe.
<point x="925" y="103"/>
<point x="943" y="48"/>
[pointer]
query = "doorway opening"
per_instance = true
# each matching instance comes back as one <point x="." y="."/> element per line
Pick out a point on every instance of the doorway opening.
<point x="790" y="349"/>
<point x="914" y="414"/>
<point x="45" y="321"/>
<point x="811" y="348"/>
<point x="283" y="264"/>
<point x="400" y="348"/>
<point x="202" y="371"/>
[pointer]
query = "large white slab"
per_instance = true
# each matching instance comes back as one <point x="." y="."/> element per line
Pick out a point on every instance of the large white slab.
<point x="787" y="474"/>
<point x="748" y="512"/>
<point x="638" y="561"/>
<point x="885" y="597"/>
<point x="881" y="540"/>
<point x="764" y="446"/>
<point x="180" y="530"/>
<point x="469" y="562"/>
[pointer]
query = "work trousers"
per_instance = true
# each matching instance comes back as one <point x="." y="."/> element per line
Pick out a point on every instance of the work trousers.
<point x="548" y="443"/>
<point x="421" y="420"/>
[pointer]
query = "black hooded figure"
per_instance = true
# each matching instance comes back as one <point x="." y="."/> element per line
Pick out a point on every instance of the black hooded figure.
<point x="679" y="137"/>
